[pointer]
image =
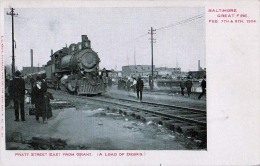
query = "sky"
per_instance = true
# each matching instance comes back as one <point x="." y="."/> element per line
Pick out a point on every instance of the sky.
<point x="118" y="34"/>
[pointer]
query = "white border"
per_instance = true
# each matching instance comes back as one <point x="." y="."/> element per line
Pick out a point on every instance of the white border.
<point x="232" y="54"/>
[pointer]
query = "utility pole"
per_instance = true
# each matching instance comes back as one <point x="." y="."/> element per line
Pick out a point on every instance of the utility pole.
<point x="134" y="57"/>
<point x="152" y="41"/>
<point x="13" y="59"/>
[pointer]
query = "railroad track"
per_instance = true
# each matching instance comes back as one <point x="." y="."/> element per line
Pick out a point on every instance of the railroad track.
<point x="190" y="122"/>
<point x="185" y="114"/>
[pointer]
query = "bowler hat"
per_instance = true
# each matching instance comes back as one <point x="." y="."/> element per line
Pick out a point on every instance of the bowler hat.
<point x="38" y="78"/>
<point x="43" y="76"/>
<point x="17" y="73"/>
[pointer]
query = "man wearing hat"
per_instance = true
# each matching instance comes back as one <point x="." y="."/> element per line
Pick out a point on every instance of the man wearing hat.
<point x="17" y="92"/>
<point x="203" y="86"/>
<point x="139" y="87"/>
<point x="188" y="85"/>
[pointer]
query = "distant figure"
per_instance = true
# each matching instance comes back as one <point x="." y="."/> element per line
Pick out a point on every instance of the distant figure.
<point x="38" y="99"/>
<point x="17" y="92"/>
<point x="134" y="84"/>
<point x="119" y="84"/>
<point x="104" y="76"/>
<point x="139" y="88"/>
<point x="47" y="96"/>
<point x="188" y="85"/>
<point x="123" y="84"/>
<point x="203" y="86"/>
<point x="32" y="82"/>
<point x="182" y="86"/>
<point x="128" y="85"/>
<point x="110" y="81"/>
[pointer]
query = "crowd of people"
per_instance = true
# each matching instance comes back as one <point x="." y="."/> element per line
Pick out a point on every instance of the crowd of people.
<point x="137" y="86"/>
<point x="188" y="85"/>
<point x="40" y="97"/>
<point x="132" y="84"/>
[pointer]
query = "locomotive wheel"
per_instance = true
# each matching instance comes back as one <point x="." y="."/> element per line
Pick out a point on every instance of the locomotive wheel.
<point x="77" y="91"/>
<point x="63" y="88"/>
<point x="71" y="88"/>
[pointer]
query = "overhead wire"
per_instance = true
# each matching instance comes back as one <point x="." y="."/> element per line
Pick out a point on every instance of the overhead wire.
<point x="182" y="22"/>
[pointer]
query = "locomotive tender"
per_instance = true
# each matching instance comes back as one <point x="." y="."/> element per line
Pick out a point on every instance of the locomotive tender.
<point x="77" y="69"/>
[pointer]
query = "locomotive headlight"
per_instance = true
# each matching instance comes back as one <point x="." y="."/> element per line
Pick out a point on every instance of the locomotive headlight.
<point x="89" y="60"/>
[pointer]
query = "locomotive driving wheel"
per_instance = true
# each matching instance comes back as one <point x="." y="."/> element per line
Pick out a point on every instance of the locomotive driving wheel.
<point x="77" y="90"/>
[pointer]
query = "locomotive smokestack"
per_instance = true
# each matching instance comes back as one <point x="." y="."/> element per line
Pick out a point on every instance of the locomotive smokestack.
<point x="51" y="51"/>
<point x="85" y="42"/>
<point x="31" y="58"/>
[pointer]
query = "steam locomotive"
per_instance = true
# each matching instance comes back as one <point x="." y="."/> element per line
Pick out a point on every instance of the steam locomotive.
<point x="76" y="69"/>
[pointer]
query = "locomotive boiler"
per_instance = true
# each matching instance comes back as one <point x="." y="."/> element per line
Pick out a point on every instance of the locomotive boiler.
<point x="76" y="69"/>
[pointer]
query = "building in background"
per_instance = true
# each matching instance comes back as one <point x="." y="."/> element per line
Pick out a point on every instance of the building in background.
<point x="138" y="70"/>
<point x="29" y="70"/>
<point x="165" y="72"/>
<point x="197" y="74"/>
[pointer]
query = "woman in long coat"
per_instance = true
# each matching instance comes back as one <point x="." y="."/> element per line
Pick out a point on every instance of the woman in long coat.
<point x="38" y="99"/>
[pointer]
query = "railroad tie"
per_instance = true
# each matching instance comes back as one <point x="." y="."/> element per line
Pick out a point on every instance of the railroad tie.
<point x="128" y="112"/>
<point x="139" y="115"/>
<point x="150" y="118"/>
<point x="172" y="124"/>
<point x="187" y="130"/>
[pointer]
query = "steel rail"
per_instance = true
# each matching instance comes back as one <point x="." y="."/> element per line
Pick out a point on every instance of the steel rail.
<point x="181" y="118"/>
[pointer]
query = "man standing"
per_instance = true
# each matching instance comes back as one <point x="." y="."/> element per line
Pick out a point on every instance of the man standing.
<point x="188" y="85"/>
<point x="139" y="88"/>
<point x="17" y="92"/>
<point x="203" y="86"/>
<point x="47" y="97"/>
<point x="134" y="84"/>
<point x="182" y="86"/>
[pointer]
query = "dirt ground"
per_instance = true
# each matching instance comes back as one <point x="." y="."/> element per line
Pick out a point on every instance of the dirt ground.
<point x="93" y="127"/>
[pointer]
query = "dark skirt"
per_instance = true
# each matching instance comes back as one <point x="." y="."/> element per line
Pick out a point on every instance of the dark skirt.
<point x="43" y="108"/>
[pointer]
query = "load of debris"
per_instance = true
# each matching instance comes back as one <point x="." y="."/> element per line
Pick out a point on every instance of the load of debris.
<point x="16" y="142"/>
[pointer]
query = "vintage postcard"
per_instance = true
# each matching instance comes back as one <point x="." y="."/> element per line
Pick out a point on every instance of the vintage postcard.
<point x="129" y="83"/>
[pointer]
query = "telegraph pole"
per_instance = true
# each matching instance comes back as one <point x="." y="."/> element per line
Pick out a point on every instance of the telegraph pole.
<point x="13" y="59"/>
<point x="152" y="41"/>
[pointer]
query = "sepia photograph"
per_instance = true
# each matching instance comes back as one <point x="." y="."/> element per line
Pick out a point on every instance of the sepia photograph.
<point x="138" y="83"/>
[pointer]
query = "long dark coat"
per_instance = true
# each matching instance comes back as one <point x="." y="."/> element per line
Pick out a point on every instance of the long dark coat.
<point x="17" y="88"/>
<point x="203" y="84"/>
<point x="140" y="84"/>
<point x="47" y="97"/>
<point x="39" y="100"/>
